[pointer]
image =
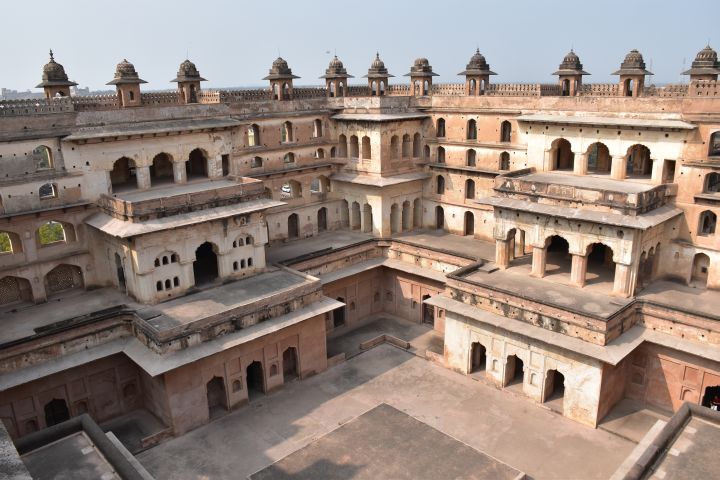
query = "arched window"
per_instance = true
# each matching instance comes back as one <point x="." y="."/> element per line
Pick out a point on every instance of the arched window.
<point x="289" y="158"/>
<point x="253" y="134"/>
<point x="714" y="149"/>
<point x="317" y="128"/>
<point x="5" y="243"/>
<point x="416" y="146"/>
<point x="406" y="146"/>
<point x="504" y="161"/>
<point x="441" y="154"/>
<point x="708" y="220"/>
<point x="505" y="131"/>
<point x="320" y="153"/>
<point x="333" y="152"/>
<point x="440" y="128"/>
<point x="47" y="191"/>
<point x="440" y="185"/>
<point x="366" y="148"/>
<point x="256" y="162"/>
<point x="712" y="182"/>
<point x="286" y="132"/>
<point x="249" y="240"/>
<point x="470" y="157"/>
<point x="394" y="147"/>
<point x="472" y="130"/>
<point x="342" y="146"/>
<point x="354" y="147"/>
<point x="51" y="232"/>
<point x="469" y="189"/>
<point x="43" y="157"/>
<point x="291" y="189"/>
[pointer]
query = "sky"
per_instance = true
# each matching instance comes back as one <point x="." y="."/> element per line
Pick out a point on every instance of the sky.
<point x="233" y="43"/>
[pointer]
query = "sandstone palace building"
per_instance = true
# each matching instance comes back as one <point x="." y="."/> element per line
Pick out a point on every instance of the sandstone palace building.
<point x="185" y="252"/>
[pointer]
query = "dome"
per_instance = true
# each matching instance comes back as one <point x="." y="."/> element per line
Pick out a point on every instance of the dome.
<point x="705" y="63"/>
<point x="280" y="70"/>
<point x="477" y="65"/>
<point x="336" y="69"/>
<point x="571" y="65"/>
<point x="377" y="69"/>
<point x="633" y="65"/>
<point x="54" y="74"/>
<point x="421" y="68"/>
<point x="188" y="72"/>
<point x="125" y="73"/>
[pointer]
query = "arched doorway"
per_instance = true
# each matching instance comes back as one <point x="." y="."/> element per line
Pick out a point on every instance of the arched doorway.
<point x="161" y="170"/>
<point x="439" y="218"/>
<point x="255" y="380"/>
<point x="600" y="265"/>
<point x="639" y="164"/>
<point x="395" y="218"/>
<point x="293" y="221"/>
<point x="216" y="397"/>
<point x="417" y="213"/>
<point x="355" y="216"/>
<point x="428" y="312"/>
<point x="322" y="219"/>
<point x="56" y="411"/>
<point x="699" y="275"/>
<point x="344" y="214"/>
<point x="598" y="159"/>
<point x="477" y="357"/>
<point x="290" y="364"/>
<point x="469" y="224"/>
<point x="406" y="216"/>
<point x="559" y="259"/>
<point x="554" y="390"/>
<point x="562" y="155"/>
<point x="711" y="396"/>
<point x="120" y="272"/>
<point x="196" y="165"/>
<point x="122" y="175"/>
<point x="205" y="266"/>
<point x="367" y="219"/>
<point x="339" y="314"/>
<point x="514" y="371"/>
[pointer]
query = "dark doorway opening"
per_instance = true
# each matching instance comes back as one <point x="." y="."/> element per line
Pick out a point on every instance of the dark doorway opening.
<point x="428" y="312"/>
<point x="515" y="371"/>
<point x="322" y="219"/>
<point x="255" y="380"/>
<point x="339" y="314"/>
<point x="293" y="226"/>
<point x="554" y="385"/>
<point x="290" y="364"/>
<point x="196" y="165"/>
<point x="56" y="411"/>
<point x="205" y="266"/>
<point x="216" y="397"/>
<point x="439" y="218"/>
<point x="477" y="358"/>
<point x="120" y="272"/>
<point x="712" y="397"/>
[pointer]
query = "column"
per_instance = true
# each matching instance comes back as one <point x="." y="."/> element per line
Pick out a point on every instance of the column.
<point x="519" y="243"/>
<point x="622" y="284"/>
<point x="502" y="254"/>
<point x="619" y="167"/>
<point x="657" y="171"/>
<point x="179" y="172"/>
<point x="580" y="163"/>
<point x="214" y="167"/>
<point x="578" y="270"/>
<point x="143" y="177"/>
<point x="539" y="260"/>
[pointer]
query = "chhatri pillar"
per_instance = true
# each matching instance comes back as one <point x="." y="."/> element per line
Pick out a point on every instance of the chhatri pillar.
<point x="55" y="81"/>
<point x="570" y="75"/>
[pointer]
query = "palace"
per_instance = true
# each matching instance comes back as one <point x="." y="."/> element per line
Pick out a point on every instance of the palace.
<point x="185" y="252"/>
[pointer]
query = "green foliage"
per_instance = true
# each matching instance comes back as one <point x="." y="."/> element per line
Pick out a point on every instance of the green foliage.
<point x="5" y="246"/>
<point x="51" y="232"/>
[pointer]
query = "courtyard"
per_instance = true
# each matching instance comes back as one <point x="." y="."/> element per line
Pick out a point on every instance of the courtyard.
<point x="501" y="425"/>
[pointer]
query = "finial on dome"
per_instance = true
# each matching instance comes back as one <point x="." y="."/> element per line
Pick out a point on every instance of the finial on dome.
<point x="52" y="59"/>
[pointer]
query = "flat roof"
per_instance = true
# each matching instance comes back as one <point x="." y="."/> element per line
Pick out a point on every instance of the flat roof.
<point x="373" y="263"/>
<point x="124" y="229"/>
<point x="607" y="121"/>
<point x="639" y="222"/>
<point x="156" y="126"/>
<point x="377" y="181"/>
<point x="174" y="189"/>
<point x="587" y="181"/>
<point x="379" y="117"/>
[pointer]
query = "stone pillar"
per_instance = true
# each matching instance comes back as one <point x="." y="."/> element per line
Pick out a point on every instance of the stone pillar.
<point x="179" y="172"/>
<point x="619" y="167"/>
<point x="143" y="177"/>
<point x="580" y="163"/>
<point x="37" y="286"/>
<point x="539" y="260"/>
<point x="502" y="254"/>
<point x="519" y="244"/>
<point x="214" y="167"/>
<point x="579" y="270"/>
<point x="657" y="171"/>
<point x="623" y="280"/>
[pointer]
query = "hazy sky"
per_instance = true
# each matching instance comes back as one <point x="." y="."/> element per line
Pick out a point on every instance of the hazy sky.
<point x="233" y="43"/>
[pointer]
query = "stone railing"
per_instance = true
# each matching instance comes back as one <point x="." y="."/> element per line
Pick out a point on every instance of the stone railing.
<point x="449" y="89"/>
<point x="704" y="88"/>
<point x="358" y="91"/>
<point x="160" y="98"/>
<point x="208" y="96"/>
<point x="95" y="102"/>
<point x="675" y="90"/>
<point x="550" y="90"/>
<point x="513" y="90"/>
<point x="398" y="90"/>
<point x="309" y="92"/>
<point x="35" y="106"/>
<point x="599" y="90"/>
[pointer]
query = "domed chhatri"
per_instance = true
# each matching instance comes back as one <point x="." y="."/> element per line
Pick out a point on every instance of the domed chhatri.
<point x="477" y="65"/>
<point x="336" y="78"/>
<point x="188" y="72"/>
<point x="477" y="74"/>
<point x="377" y="69"/>
<point x="54" y="79"/>
<point x="188" y="80"/>
<point x="571" y="65"/>
<point x="125" y="73"/>
<point x="281" y="80"/>
<point x="632" y="74"/>
<point x="705" y="66"/>
<point x="421" y="68"/>
<point x="127" y="84"/>
<point x="421" y="74"/>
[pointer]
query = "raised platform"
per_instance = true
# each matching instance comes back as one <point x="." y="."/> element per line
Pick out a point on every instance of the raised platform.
<point x="386" y="443"/>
